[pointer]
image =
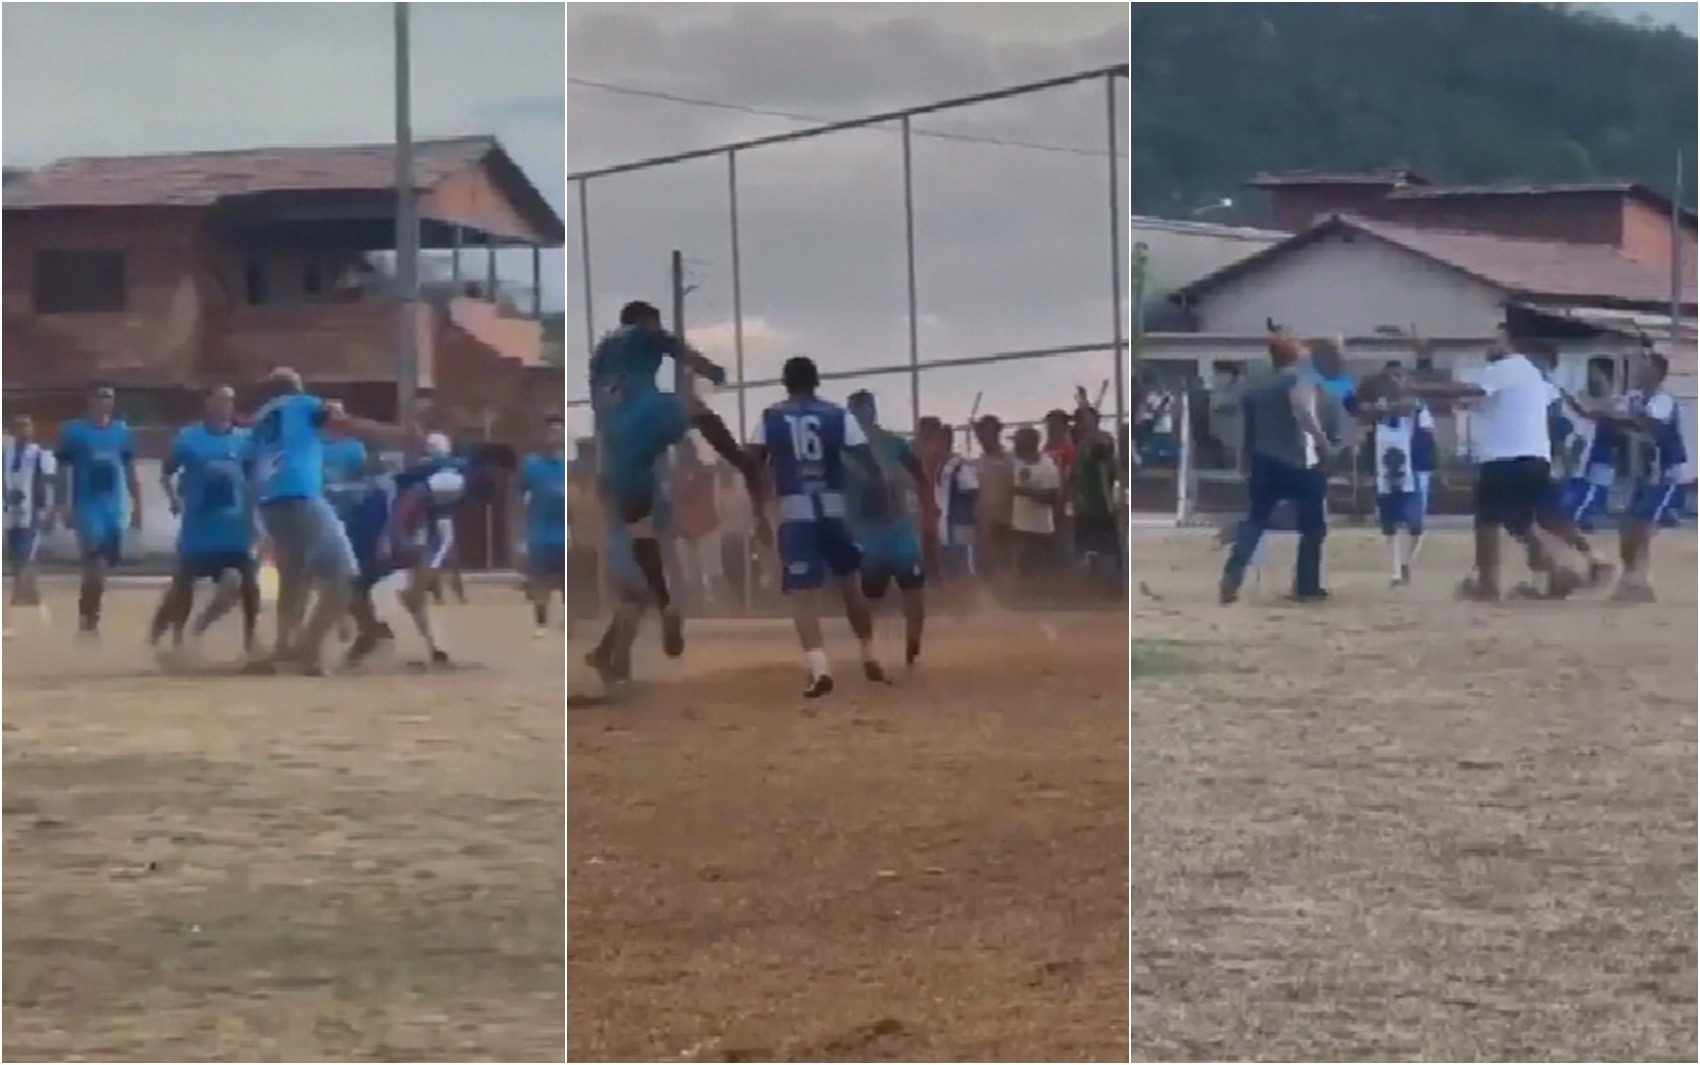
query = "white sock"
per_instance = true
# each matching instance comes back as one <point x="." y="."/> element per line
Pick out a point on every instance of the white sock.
<point x="1396" y="547"/>
<point x="815" y="662"/>
<point x="1411" y="555"/>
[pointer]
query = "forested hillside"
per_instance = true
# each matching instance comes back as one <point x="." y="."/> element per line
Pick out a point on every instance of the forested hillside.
<point x="1460" y="92"/>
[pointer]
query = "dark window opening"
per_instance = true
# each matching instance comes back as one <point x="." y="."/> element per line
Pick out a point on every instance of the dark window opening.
<point x="79" y="282"/>
<point x="313" y="280"/>
<point x="257" y="283"/>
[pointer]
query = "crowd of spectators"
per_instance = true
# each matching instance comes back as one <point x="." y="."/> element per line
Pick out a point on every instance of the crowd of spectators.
<point x="1010" y="512"/>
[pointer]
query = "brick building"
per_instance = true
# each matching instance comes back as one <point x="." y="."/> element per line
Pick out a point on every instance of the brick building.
<point x="164" y="275"/>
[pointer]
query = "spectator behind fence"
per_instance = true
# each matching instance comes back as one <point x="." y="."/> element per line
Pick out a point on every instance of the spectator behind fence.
<point x="1097" y="533"/>
<point x="957" y="491"/>
<point x="1059" y="448"/>
<point x="995" y="472"/>
<point x="737" y="527"/>
<point x="1033" y="511"/>
<point x="698" y="524"/>
<point x="585" y="540"/>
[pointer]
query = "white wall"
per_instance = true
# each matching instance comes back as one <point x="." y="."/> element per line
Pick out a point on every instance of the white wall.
<point x="1353" y="287"/>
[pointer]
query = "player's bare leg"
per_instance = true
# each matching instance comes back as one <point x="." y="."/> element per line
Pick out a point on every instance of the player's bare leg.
<point x="861" y="617"/>
<point x="173" y="610"/>
<point x="914" y="620"/>
<point x="230" y="591"/>
<point x="1635" y="541"/>
<point x="415" y="599"/>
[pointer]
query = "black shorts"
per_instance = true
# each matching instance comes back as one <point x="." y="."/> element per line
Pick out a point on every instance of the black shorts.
<point x="1097" y="534"/>
<point x="876" y="579"/>
<point x="1512" y="493"/>
<point x="213" y="565"/>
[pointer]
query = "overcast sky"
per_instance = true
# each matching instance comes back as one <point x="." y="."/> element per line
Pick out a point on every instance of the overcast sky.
<point x="104" y="79"/>
<point x="1013" y="243"/>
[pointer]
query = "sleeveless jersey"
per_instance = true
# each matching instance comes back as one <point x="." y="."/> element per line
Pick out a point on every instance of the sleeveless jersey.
<point x="1404" y="451"/>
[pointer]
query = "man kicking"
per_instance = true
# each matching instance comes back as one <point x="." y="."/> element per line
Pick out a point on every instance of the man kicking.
<point x="206" y="480"/>
<point x="98" y="482"/>
<point x="883" y="521"/>
<point x="315" y="562"/>
<point x="543" y="485"/>
<point x="1513" y="488"/>
<point x="636" y="423"/>
<point x="1402" y="434"/>
<point x="808" y="442"/>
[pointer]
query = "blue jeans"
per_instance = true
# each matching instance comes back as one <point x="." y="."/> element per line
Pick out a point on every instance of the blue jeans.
<point x="1272" y="481"/>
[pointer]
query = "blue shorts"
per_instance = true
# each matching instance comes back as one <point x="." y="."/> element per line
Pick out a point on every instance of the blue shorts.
<point x="810" y="550"/>
<point x="1656" y="503"/>
<point x="100" y="534"/>
<point x="546" y="559"/>
<point x="213" y="565"/>
<point x="1405" y="510"/>
<point x="634" y="436"/>
<point x="1583" y="501"/>
<point x="20" y="546"/>
<point x="891" y="553"/>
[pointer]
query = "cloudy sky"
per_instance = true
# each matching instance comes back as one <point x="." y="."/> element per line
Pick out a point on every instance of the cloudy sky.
<point x="104" y="79"/>
<point x="1013" y="242"/>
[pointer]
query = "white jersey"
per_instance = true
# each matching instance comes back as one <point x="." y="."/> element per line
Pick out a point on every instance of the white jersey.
<point x="1396" y="452"/>
<point x="957" y="491"/>
<point x="29" y="469"/>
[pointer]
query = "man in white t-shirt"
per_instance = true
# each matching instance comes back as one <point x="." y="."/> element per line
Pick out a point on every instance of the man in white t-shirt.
<point x="1510" y="399"/>
<point x="1033" y="505"/>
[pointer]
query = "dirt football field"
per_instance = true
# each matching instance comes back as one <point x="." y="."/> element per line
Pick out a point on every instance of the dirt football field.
<point x="210" y="866"/>
<point x="1396" y="827"/>
<point x="931" y="871"/>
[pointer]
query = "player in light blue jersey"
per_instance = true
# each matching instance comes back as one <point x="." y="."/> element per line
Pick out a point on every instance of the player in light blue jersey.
<point x="310" y="545"/>
<point x="543" y="487"/>
<point x="635" y="424"/>
<point x="347" y="463"/>
<point x="206" y="478"/>
<point x="809" y="442"/>
<point x="885" y="520"/>
<point x="98" y="472"/>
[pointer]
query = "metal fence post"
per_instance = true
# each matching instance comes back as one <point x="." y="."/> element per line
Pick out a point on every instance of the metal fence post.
<point x="909" y="258"/>
<point x="1117" y="222"/>
<point x="745" y="547"/>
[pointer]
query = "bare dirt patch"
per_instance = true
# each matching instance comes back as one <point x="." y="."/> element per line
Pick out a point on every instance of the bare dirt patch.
<point x="931" y="871"/>
<point x="223" y="867"/>
<point x="1397" y="827"/>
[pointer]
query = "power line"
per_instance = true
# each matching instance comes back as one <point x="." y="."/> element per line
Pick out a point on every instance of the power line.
<point x="792" y="116"/>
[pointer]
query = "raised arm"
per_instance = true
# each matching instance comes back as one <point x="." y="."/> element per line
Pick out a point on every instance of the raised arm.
<point x="1302" y="398"/>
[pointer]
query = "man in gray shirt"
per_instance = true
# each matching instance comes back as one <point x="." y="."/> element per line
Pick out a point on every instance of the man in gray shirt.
<point x="1286" y="446"/>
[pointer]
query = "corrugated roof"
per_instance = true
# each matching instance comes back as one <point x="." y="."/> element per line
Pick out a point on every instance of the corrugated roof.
<point x="195" y="179"/>
<point x="1289" y="178"/>
<point x="1537" y="269"/>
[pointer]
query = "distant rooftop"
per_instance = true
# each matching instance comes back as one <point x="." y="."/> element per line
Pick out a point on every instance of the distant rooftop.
<point x="199" y="179"/>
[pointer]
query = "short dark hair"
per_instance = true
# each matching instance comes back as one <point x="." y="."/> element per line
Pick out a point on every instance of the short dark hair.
<point x="636" y="311"/>
<point x="800" y="374"/>
<point x="1660" y="362"/>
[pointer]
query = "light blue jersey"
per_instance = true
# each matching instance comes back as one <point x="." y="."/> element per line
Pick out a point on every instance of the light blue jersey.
<point x="543" y="480"/>
<point x="345" y="471"/>
<point x="289" y="448"/>
<point x="624" y="365"/>
<point x="98" y="456"/>
<point x="212" y="471"/>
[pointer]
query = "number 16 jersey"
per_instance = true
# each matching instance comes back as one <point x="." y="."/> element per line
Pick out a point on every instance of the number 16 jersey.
<point x="805" y="439"/>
